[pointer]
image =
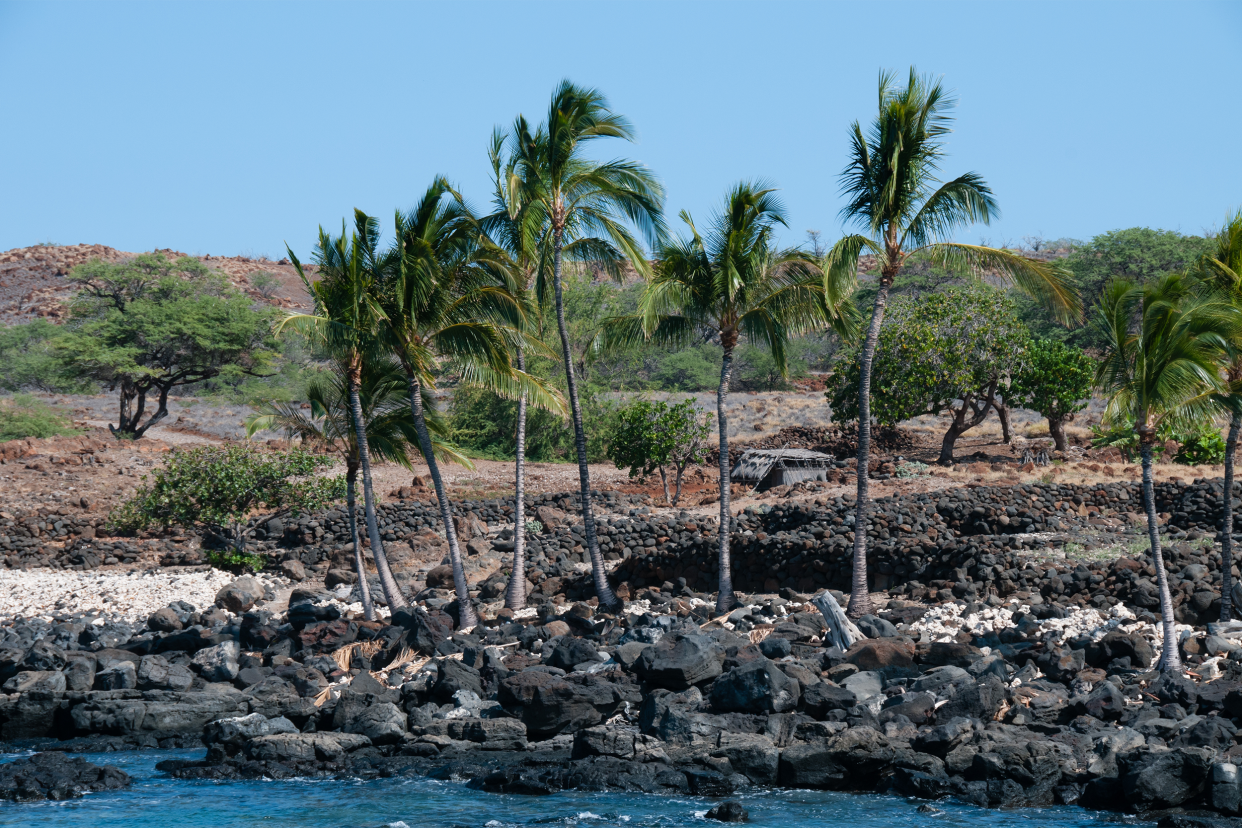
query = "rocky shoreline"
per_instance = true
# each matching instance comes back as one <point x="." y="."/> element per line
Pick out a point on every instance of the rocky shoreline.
<point x="995" y="670"/>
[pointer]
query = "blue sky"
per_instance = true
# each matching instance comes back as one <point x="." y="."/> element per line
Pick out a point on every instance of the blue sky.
<point x="232" y="128"/>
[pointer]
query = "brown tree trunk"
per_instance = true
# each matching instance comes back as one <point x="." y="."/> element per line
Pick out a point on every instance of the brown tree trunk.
<point x="515" y="594"/>
<point x="364" y="588"/>
<point x="724" y="595"/>
<point x="1226" y="525"/>
<point x="1002" y="413"/>
<point x="860" y="600"/>
<point x="607" y="598"/>
<point x="978" y="411"/>
<point x="1056" y="429"/>
<point x="668" y="498"/>
<point x="1170" y="659"/>
<point x="392" y="592"/>
<point x="465" y="614"/>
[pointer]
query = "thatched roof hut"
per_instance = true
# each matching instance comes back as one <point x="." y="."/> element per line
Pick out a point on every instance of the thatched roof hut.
<point x="764" y="468"/>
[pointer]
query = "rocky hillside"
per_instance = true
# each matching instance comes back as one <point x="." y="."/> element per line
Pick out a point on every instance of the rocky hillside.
<point x="33" y="283"/>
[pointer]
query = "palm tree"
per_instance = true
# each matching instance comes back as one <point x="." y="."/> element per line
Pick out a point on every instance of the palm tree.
<point x="732" y="282"/>
<point x="893" y="193"/>
<point x="587" y="204"/>
<point x="1221" y="271"/>
<point x="516" y="226"/>
<point x="1161" y="368"/>
<point x="345" y="319"/>
<point x="328" y="423"/>
<point x="448" y="295"/>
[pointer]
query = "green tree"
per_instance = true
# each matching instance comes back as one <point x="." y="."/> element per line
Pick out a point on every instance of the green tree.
<point x="732" y="282"/>
<point x="328" y="425"/>
<point x="216" y="488"/>
<point x="453" y="294"/>
<point x="1221" y="270"/>
<point x="652" y="436"/>
<point x="30" y="361"/>
<point x="1161" y="368"/>
<point x="950" y="351"/>
<point x="1056" y="380"/>
<point x="23" y="415"/>
<point x="148" y="325"/>
<point x="1139" y="254"/>
<point x="894" y="195"/>
<point x="588" y="205"/>
<point x="344" y="322"/>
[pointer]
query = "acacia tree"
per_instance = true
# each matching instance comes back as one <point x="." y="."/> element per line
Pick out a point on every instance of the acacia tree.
<point x="450" y="294"/>
<point x="653" y="436"/>
<point x="1161" y="368"/>
<point x="147" y="325"/>
<point x="1221" y="271"/>
<point x="950" y="351"/>
<point x="328" y="425"/>
<point x="588" y="205"/>
<point x="1056" y="380"/>
<point x="893" y="194"/>
<point x="733" y="282"/>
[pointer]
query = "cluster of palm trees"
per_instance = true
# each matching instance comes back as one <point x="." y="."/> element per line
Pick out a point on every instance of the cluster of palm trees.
<point x="475" y="290"/>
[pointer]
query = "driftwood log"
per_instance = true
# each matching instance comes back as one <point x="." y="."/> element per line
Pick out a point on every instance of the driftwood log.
<point x="841" y="630"/>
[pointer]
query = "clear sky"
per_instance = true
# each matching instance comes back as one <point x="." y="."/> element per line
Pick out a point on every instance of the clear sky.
<point x="231" y="128"/>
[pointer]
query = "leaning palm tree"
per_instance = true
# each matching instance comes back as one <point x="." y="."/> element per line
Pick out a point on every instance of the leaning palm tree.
<point x="449" y="296"/>
<point x="587" y="205"/>
<point x="518" y="227"/>
<point x="329" y="425"/>
<point x="732" y="282"/>
<point x="1221" y="271"/>
<point x="1161" y="368"/>
<point x="894" y="195"/>
<point x="345" y="319"/>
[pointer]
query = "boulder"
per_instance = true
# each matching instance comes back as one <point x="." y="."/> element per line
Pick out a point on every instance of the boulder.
<point x="883" y="655"/>
<point x="383" y="724"/>
<point x="822" y="697"/>
<point x="488" y="734"/>
<point x="873" y="627"/>
<point x="756" y="687"/>
<point x="240" y="595"/>
<point x="454" y="676"/>
<point x="164" y="620"/>
<point x="751" y="754"/>
<point x="851" y="760"/>
<point x="122" y="675"/>
<point x="80" y="671"/>
<point x="156" y="673"/>
<point x="30" y="680"/>
<point x="729" y="812"/>
<point x="550" y="518"/>
<point x="550" y="704"/>
<point x="307" y="747"/>
<point x="678" y="662"/>
<point x="1226" y="792"/>
<point x="233" y="733"/>
<point x="571" y="652"/>
<point x="56" y="776"/>
<point x="43" y="656"/>
<point x="218" y="663"/>
<point x="1153" y="778"/>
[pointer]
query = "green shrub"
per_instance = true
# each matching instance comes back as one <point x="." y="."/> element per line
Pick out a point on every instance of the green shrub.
<point x="1204" y="447"/>
<point x="692" y="369"/>
<point x="29" y="360"/>
<point x="217" y="488"/>
<point x="484" y="425"/>
<point x="23" y="416"/>
<point x="654" y="436"/>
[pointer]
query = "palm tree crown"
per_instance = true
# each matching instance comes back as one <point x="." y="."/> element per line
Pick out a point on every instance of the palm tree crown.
<point x="734" y="281"/>
<point x="894" y="195"/>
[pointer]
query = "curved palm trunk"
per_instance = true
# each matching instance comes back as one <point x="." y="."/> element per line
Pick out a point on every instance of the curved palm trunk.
<point x="364" y="588"/>
<point x="860" y="600"/>
<point x="1226" y="526"/>
<point x="607" y="599"/>
<point x="515" y="595"/>
<point x="1170" y="661"/>
<point x="392" y="593"/>
<point x="466" y="615"/>
<point x="724" y="596"/>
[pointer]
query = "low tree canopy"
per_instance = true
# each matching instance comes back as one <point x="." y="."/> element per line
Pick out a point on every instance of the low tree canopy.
<point x="1056" y="380"/>
<point x="950" y="351"/>
<point x="217" y="488"/>
<point x="652" y="436"/>
<point x="148" y="325"/>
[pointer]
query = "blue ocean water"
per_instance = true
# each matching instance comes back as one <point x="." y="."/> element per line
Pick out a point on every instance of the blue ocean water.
<point x="156" y="801"/>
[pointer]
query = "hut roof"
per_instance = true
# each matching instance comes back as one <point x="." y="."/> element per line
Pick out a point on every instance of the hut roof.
<point x="755" y="464"/>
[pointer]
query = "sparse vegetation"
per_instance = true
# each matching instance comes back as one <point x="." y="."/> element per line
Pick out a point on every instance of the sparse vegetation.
<point x="23" y="415"/>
